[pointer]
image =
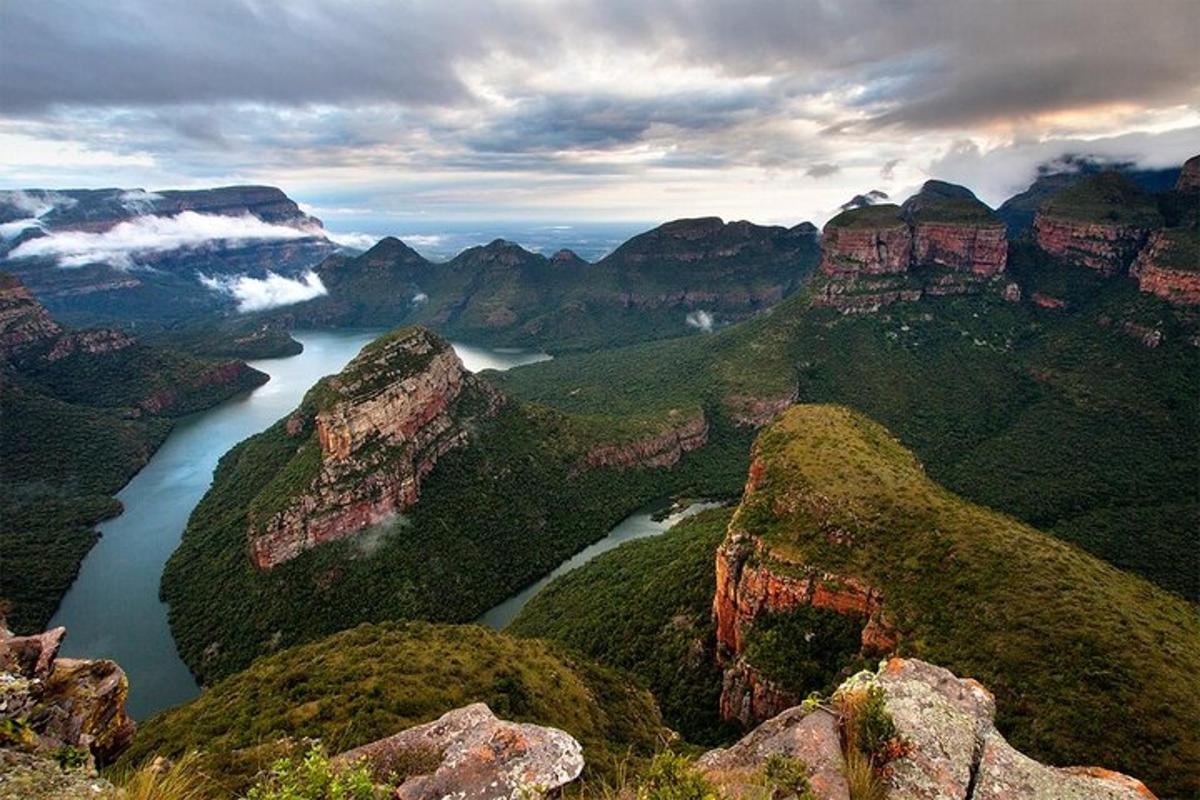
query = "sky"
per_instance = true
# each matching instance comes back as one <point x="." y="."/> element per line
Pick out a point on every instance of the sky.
<point x="393" y="116"/>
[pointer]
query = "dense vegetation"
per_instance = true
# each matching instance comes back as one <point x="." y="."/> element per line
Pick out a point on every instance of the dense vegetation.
<point x="1107" y="197"/>
<point x="71" y="436"/>
<point x="504" y="295"/>
<point x="876" y="216"/>
<point x="646" y="607"/>
<point x="374" y="680"/>
<point x="493" y="518"/>
<point x="1061" y="418"/>
<point x="1067" y="643"/>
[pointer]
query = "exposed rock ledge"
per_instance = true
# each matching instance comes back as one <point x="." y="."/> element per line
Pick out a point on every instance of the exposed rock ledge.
<point x="472" y="755"/>
<point x="1106" y="248"/>
<point x="951" y="748"/>
<point x="661" y="450"/>
<point x="1169" y="266"/>
<point x="388" y="417"/>
<point x="62" y="702"/>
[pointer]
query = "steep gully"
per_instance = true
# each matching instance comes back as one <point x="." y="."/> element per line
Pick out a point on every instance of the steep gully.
<point x="119" y="578"/>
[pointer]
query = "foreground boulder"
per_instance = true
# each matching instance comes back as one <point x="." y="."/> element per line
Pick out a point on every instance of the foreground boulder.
<point x="49" y="703"/>
<point x="470" y="754"/>
<point x="946" y="746"/>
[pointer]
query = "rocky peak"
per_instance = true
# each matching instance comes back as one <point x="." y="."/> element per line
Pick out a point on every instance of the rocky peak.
<point x="945" y="746"/>
<point x="377" y="429"/>
<point x="390" y="250"/>
<point x="936" y="193"/>
<point x="498" y="252"/>
<point x="871" y="198"/>
<point x="24" y="322"/>
<point x="1189" y="176"/>
<point x="567" y="257"/>
<point x="473" y="755"/>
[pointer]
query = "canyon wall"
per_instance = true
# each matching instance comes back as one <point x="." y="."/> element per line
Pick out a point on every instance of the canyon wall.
<point x="1169" y="266"/>
<point x="389" y="416"/>
<point x="660" y="450"/>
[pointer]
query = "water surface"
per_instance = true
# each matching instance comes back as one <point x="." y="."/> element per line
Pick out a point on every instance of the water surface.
<point x="113" y="609"/>
<point x="636" y="526"/>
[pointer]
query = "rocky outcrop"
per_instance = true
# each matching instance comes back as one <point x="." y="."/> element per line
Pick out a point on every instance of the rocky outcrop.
<point x="59" y="702"/>
<point x="660" y="450"/>
<point x="1106" y="248"/>
<point x="874" y="255"/>
<point x="946" y="746"/>
<point x="381" y="427"/>
<point x="470" y="754"/>
<point x="807" y="734"/>
<point x="1189" y="176"/>
<point x="92" y="342"/>
<point x="24" y="322"/>
<point x="975" y="248"/>
<point x="1169" y="266"/>
<point x="758" y="411"/>
<point x="29" y="776"/>
<point x="752" y="582"/>
<point x="871" y="240"/>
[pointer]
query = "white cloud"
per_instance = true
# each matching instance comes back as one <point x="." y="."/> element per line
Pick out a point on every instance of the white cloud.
<point x="258" y="294"/>
<point x="422" y="240"/>
<point x="700" y="319"/>
<point x="10" y="230"/>
<point x="121" y="244"/>
<point x="36" y="203"/>
<point x="354" y="240"/>
<point x="420" y="298"/>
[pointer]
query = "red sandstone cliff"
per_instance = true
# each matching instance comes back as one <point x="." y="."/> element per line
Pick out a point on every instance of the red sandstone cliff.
<point x="1169" y="266"/>
<point x="396" y="409"/>
<point x="1189" y="176"/>
<point x="1107" y="248"/>
<point x="849" y="251"/>
<point x="24" y="322"/>
<point x="981" y="249"/>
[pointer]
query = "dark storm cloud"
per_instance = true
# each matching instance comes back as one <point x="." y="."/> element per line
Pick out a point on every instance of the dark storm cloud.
<point x="922" y="63"/>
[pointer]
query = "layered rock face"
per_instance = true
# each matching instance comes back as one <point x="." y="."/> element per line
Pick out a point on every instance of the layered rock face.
<point x="470" y="754"/>
<point x="60" y="702"/>
<point x="1169" y="266"/>
<point x="948" y="747"/>
<point x="381" y="427"/>
<point x="1099" y="223"/>
<point x="869" y="253"/>
<point x="1108" y="249"/>
<point x="662" y="450"/>
<point x="874" y="245"/>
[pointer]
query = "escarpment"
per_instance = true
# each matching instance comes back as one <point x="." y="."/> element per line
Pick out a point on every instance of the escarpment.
<point x="656" y="450"/>
<point x="842" y="550"/>
<point x="940" y="241"/>
<point x="23" y="320"/>
<point x="1169" y="266"/>
<point x="1100" y="223"/>
<point x="368" y="436"/>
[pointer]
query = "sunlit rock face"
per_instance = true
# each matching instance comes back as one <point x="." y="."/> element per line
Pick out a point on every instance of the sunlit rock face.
<point x="1169" y="266"/>
<point x="377" y="429"/>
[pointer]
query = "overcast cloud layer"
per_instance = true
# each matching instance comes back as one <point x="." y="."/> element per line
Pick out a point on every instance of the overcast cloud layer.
<point x="618" y="109"/>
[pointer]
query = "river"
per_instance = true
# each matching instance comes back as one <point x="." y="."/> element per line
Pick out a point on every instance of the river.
<point x="638" y="525"/>
<point x="113" y="610"/>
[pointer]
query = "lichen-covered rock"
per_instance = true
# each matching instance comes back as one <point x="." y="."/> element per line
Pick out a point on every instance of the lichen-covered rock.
<point x="61" y="702"/>
<point x="808" y="734"/>
<point x="470" y="754"/>
<point x="27" y="776"/>
<point x="1005" y="774"/>
<point x="380" y="428"/>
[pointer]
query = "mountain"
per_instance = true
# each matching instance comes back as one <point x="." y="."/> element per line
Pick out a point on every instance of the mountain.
<point x="1049" y="391"/>
<point x="406" y="488"/>
<point x="684" y="275"/>
<point x="130" y="257"/>
<point x="83" y="410"/>
<point x="1018" y="211"/>
<point x="843" y="548"/>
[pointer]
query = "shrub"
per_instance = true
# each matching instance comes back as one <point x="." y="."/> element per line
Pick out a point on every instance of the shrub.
<point x="313" y="778"/>
<point x="671" y="776"/>
<point x="787" y="778"/>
